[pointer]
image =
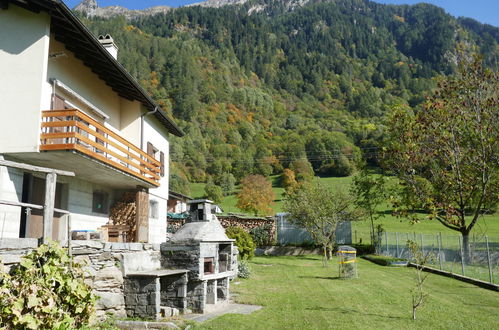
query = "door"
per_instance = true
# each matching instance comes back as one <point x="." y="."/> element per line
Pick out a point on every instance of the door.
<point x="34" y="224"/>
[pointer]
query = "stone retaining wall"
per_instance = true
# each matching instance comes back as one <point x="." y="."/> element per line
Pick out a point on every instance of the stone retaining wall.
<point x="101" y="261"/>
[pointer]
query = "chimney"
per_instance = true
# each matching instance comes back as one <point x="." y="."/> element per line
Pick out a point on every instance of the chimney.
<point x="109" y="44"/>
<point x="200" y="210"/>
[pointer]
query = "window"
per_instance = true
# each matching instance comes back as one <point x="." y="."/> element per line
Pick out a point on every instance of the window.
<point x="209" y="266"/>
<point x="100" y="202"/>
<point x="153" y="209"/>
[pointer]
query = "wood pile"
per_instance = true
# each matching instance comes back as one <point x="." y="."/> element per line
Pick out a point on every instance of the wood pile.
<point x="123" y="213"/>
<point x="247" y="223"/>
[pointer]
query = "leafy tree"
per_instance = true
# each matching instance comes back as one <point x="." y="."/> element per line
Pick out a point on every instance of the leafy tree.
<point x="303" y="170"/>
<point x="369" y="192"/>
<point x="288" y="180"/>
<point x="256" y="195"/>
<point x="319" y="209"/>
<point x="227" y="182"/>
<point x="213" y="192"/>
<point x="447" y="154"/>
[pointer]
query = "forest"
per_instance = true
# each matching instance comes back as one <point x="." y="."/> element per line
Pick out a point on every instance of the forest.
<point x="305" y="88"/>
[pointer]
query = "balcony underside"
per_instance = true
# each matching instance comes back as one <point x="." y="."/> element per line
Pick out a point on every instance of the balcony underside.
<point x="86" y="168"/>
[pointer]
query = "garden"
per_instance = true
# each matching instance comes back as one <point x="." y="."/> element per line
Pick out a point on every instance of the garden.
<point x="298" y="292"/>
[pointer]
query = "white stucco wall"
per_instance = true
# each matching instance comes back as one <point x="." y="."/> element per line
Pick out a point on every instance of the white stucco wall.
<point x="80" y="78"/>
<point x="24" y="42"/>
<point x="156" y="133"/>
<point x="11" y="185"/>
<point x="79" y="203"/>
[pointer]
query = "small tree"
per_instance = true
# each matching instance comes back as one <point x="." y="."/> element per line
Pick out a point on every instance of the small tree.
<point x="420" y="259"/>
<point x="213" y="192"/>
<point x="369" y="192"/>
<point x="319" y="209"/>
<point x="256" y="195"/>
<point x="288" y="180"/>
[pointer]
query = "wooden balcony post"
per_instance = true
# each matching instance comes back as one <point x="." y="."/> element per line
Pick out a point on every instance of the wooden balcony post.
<point x="48" y="206"/>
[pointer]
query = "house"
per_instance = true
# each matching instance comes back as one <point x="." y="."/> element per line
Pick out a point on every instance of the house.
<point x="177" y="203"/>
<point x="66" y="103"/>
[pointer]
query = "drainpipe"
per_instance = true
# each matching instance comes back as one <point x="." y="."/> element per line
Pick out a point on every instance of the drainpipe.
<point x="142" y="125"/>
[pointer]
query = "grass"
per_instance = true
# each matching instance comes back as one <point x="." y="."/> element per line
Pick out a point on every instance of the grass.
<point x="489" y="225"/>
<point x="298" y="293"/>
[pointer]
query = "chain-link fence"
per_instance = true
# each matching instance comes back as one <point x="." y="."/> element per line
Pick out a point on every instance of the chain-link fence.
<point x="479" y="259"/>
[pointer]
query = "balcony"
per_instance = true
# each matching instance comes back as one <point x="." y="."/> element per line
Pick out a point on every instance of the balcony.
<point x="75" y="131"/>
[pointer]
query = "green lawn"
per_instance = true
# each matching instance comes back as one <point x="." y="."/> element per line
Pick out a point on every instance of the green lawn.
<point x="360" y="230"/>
<point x="298" y="293"/>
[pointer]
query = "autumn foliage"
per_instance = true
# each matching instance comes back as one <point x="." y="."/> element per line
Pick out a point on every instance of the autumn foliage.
<point x="256" y="195"/>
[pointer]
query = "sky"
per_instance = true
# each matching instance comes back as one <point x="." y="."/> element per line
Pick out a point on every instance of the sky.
<point x="485" y="11"/>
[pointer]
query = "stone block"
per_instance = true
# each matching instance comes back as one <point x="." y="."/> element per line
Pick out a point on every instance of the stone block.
<point x="131" y="300"/>
<point x="136" y="246"/>
<point x="83" y="260"/>
<point x="109" y="277"/>
<point x="109" y="300"/>
<point x="119" y="246"/>
<point x="140" y="261"/>
<point x="105" y="256"/>
<point x="87" y="244"/>
<point x="18" y="243"/>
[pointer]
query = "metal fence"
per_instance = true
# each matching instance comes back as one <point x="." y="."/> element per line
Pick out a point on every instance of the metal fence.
<point x="480" y="261"/>
<point x="290" y="234"/>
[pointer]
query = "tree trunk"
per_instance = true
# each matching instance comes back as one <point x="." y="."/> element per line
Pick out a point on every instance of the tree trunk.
<point x="324" y="257"/>
<point x="373" y="239"/>
<point x="466" y="247"/>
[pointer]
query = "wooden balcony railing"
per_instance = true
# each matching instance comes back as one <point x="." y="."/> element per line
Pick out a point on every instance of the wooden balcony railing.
<point x="74" y="130"/>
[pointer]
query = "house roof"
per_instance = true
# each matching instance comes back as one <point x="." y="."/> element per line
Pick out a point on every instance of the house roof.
<point x="178" y="195"/>
<point x="69" y="30"/>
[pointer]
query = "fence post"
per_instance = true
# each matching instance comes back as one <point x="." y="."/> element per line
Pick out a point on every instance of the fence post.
<point x="488" y="259"/>
<point x="397" y="242"/>
<point x="422" y="245"/>
<point x="461" y="251"/>
<point x="439" y="240"/>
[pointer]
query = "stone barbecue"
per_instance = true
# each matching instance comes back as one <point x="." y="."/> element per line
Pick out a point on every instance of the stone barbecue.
<point x="202" y="247"/>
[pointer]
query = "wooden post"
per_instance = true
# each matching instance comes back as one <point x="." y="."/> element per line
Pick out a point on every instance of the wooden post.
<point x="142" y="216"/>
<point x="48" y="206"/>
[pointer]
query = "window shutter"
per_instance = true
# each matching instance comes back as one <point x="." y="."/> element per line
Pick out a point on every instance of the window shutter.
<point x="150" y="149"/>
<point x="162" y="161"/>
<point x="58" y="103"/>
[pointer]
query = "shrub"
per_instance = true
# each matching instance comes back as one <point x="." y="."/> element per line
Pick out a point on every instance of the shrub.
<point x="243" y="269"/>
<point x="244" y="242"/>
<point x="45" y="291"/>
<point x="262" y="235"/>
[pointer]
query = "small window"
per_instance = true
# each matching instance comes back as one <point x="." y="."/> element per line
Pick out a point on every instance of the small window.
<point x="100" y="202"/>
<point x="153" y="209"/>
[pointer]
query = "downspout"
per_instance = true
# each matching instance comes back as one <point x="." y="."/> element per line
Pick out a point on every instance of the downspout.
<point x="142" y="125"/>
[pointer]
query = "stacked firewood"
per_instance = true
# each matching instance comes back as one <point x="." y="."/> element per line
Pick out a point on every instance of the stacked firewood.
<point x="123" y="213"/>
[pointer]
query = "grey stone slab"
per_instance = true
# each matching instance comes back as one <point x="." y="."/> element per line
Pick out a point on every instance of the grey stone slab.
<point x="222" y="310"/>
<point x="87" y="244"/>
<point x="139" y="325"/>
<point x="18" y="243"/>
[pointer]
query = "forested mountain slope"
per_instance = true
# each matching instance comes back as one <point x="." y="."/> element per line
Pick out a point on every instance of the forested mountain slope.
<point x="259" y="86"/>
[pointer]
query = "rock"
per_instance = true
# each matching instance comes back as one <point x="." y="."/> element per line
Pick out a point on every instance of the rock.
<point x="106" y="278"/>
<point x="110" y="300"/>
